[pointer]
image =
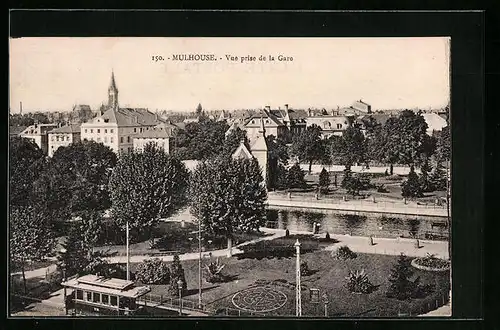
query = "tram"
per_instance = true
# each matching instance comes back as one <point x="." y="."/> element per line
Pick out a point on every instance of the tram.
<point x="96" y="295"/>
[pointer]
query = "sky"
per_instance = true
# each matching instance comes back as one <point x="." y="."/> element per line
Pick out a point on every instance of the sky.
<point x="53" y="74"/>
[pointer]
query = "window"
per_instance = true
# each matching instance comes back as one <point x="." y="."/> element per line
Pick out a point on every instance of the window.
<point x="253" y="121"/>
<point x="57" y="138"/>
<point x="339" y="126"/>
<point x="141" y="130"/>
<point x="79" y="294"/>
<point x="121" y="139"/>
<point x="105" y="299"/>
<point x="89" y="296"/>
<point x="96" y="297"/>
<point x="105" y="131"/>
<point x="267" y="121"/>
<point x="85" y="130"/>
<point x="111" y="139"/>
<point x="114" y="301"/>
<point x="67" y="137"/>
<point x="135" y="130"/>
<point x="91" y="130"/>
<point x="105" y="139"/>
<point x="98" y="130"/>
<point x="111" y="130"/>
<point x="128" y="139"/>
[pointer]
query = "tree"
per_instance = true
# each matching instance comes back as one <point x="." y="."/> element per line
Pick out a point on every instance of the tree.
<point x="384" y="142"/>
<point x="30" y="237"/>
<point x="91" y="228"/>
<point x="228" y="194"/>
<point x="176" y="274"/>
<point x="354" y="184"/>
<point x="351" y="149"/>
<point x="307" y="145"/>
<point x="26" y="163"/>
<point x="153" y="271"/>
<point x="277" y="159"/>
<point x="401" y="287"/>
<point x="409" y="139"/>
<point x="233" y="141"/>
<point x="438" y="178"/>
<point x="425" y="184"/>
<point x="295" y="178"/>
<point x="147" y="186"/>
<point x="443" y="145"/>
<point x="411" y="186"/>
<point x="324" y="180"/>
<point x="201" y="140"/>
<point x="199" y="110"/>
<point x="75" y="258"/>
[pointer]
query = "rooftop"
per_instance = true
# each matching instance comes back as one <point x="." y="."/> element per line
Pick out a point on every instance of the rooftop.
<point x="74" y="128"/>
<point x="112" y="286"/>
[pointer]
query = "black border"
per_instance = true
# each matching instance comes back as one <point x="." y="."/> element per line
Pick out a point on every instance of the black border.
<point x="467" y="48"/>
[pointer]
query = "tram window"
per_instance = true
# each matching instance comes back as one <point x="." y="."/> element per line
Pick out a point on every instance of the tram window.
<point x="89" y="296"/>
<point x="114" y="301"/>
<point x="105" y="299"/>
<point x="97" y="297"/>
<point x="79" y="294"/>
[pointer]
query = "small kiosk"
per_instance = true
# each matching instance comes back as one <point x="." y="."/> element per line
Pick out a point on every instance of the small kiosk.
<point x="97" y="295"/>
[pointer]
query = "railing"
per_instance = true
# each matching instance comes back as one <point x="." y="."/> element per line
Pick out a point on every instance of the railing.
<point x="153" y="299"/>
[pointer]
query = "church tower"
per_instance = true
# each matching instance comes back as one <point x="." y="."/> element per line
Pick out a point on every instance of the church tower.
<point x="113" y="93"/>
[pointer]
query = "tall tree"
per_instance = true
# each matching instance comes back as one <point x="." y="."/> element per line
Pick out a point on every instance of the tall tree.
<point x="295" y="177"/>
<point x="324" y="180"/>
<point x="199" y="109"/>
<point x="233" y="141"/>
<point x="307" y="145"/>
<point x="443" y="145"/>
<point x="401" y="287"/>
<point x="30" y="238"/>
<point x="411" y="186"/>
<point x="26" y="163"/>
<point x="75" y="258"/>
<point x="352" y="147"/>
<point x="227" y="195"/>
<point x="277" y="158"/>
<point x="202" y="140"/>
<point x="146" y="187"/>
<point x="176" y="274"/>
<point x="410" y="139"/>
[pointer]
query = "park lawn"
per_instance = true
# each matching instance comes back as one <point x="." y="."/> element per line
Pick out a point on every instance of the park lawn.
<point x="172" y="237"/>
<point x="328" y="276"/>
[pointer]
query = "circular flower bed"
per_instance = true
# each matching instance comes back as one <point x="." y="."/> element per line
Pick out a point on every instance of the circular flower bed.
<point x="431" y="263"/>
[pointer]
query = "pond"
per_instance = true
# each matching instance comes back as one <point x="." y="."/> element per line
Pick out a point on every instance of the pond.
<point x="361" y="224"/>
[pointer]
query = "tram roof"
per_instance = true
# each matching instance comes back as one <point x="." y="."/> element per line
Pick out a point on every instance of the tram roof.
<point x="113" y="286"/>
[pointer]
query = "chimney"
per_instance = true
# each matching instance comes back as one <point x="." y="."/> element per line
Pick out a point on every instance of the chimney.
<point x="286" y="107"/>
<point x="268" y="107"/>
<point x="20" y="108"/>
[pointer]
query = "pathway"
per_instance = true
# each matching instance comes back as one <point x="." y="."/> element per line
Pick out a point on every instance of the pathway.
<point x="39" y="272"/>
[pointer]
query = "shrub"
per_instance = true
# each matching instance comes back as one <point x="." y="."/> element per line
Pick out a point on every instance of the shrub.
<point x="176" y="274"/>
<point x="295" y="177"/>
<point x="287" y="233"/>
<point x="358" y="282"/>
<point x="304" y="269"/>
<point x="401" y="287"/>
<point x="327" y="236"/>
<point x="324" y="180"/>
<point x="344" y="253"/>
<point x="153" y="271"/>
<point x="431" y="262"/>
<point x="381" y="189"/>
<point x="213" y="272"/>
<point x="411" y="187"/>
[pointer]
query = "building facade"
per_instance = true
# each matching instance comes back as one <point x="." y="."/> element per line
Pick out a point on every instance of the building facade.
<point x="117" y="127"/>
<point x="38" y="133"/>
<point x="62" y="137"/>
<point x="330" y="125"/>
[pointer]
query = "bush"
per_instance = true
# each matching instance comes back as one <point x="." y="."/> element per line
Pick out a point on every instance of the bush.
<point x="282" y="247"/>
<point x="344" y="253"/>
<point x="381" y="189"/>
<point x="213" y="272"/>
<point x="153" y="271"/>
<point x="295" y="177"/>
<point x="358" y="282"/>
<point x="176" y="274"/>
<point x="304" y="269"/>
<point x="431" y="262"/>
<point x="327" y="236"/>
<point x="324" y="180"/>
<point x="411" y="187"/>
<point x="401" y="286"/>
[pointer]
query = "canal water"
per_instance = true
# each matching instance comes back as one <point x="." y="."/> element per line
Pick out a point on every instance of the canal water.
<point x="359" y="224"/>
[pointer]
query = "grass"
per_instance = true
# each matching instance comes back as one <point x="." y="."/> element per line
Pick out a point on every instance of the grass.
<point x="328" y="275"/>
<point x="172" y="237"/>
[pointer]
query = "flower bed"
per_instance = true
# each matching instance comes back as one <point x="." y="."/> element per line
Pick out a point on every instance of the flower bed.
<point x="431" y="263"/>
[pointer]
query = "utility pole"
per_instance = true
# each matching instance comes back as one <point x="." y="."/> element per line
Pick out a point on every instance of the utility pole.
<point x="199" y="265"/>
<point x="128" y="256"/>
<point x="298" y="294"/>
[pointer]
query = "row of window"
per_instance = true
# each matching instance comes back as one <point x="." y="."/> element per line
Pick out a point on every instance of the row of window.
<point x="97" y="298"/>
<point x="99" y="130"/>
<point x="59" y="138"/>
<point x="98" y="139"/>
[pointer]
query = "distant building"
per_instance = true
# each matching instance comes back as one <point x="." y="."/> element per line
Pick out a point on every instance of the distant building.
<point x="435" y="122"/>
<point x="82" y="113"/>
<point x="63" y="137"/>
<point x="158" y="135"/>
<point x="330" y="125"/>
<point x="362" y="106"/>
<point x="117" y="127"/>
<point x="38" y="134"/>
<point x="259" y="150"/>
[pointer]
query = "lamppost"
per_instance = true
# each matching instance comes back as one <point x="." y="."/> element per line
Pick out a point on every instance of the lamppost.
<point x="63" y="266"/>
<point x="179" y="285"/>
<point x="199" y="264"/>
<point x="325" y="301"/>
<point x="128" y="256"/>
<point x="298" y="294"/>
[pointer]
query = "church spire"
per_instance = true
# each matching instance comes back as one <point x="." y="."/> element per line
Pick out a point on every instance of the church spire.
<point x="113" y="93"/>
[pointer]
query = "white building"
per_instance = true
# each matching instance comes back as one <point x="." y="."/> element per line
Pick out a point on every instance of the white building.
<point x="63" y="137"/>
<point x="38" y="134"/>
